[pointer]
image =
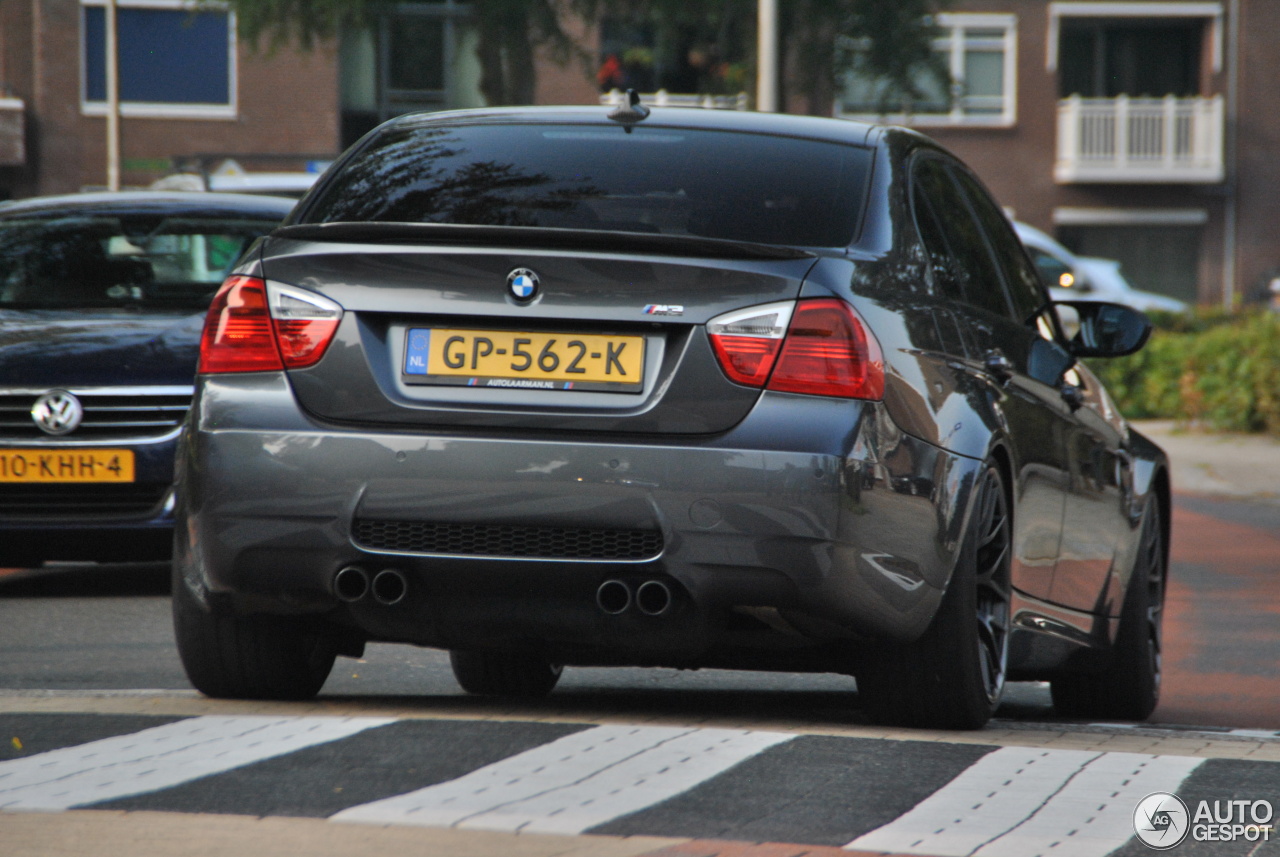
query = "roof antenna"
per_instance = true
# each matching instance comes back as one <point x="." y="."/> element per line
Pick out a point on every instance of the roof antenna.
<point x="630" y="112"/>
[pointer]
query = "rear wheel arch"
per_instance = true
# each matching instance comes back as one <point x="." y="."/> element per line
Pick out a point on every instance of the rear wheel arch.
<point x="1163" y="491"/>
<point x="999" y="456"/>
<point x="952" y="676"/>
<point x="1002" y="461"/>
<point x="1127" y="684"/>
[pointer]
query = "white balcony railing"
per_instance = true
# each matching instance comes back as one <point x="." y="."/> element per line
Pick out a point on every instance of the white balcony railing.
<point x="662" y="98"/>
<point x="1148" y="140"/>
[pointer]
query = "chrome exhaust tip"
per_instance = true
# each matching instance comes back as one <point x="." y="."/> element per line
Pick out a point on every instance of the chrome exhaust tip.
<point x="389" y="587"/>
<point x="653" y="598"/>
<point x="613" y="597"/>
<point x="351" y="584"/>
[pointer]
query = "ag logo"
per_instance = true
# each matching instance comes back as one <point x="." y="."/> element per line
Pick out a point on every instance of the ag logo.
<point x="523" y="284"/>
<point x="1161" y="821"/>
<point x="57" y="412"/>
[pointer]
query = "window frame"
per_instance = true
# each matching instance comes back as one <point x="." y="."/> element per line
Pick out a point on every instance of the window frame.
<point x="963" y="287"/>
<point x="1208" y="9"/>
<point x="1000" y="236"/>
<point x="160" y="109"/>
<point x="954" y="40"/>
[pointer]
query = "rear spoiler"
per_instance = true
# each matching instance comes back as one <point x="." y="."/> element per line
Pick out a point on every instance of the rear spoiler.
<point x="537" y="237"/>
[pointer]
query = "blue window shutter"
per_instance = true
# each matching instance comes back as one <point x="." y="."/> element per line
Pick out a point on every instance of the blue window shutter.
<point x="167" y="56"/>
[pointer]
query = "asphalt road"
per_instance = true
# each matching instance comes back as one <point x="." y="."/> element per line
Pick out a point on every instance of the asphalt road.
<point x="702" y="762"/>
<point x="108" y="628"/>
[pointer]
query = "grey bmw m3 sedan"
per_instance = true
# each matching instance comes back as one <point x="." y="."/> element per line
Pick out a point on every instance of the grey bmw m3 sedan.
<point x="548" y="387"/>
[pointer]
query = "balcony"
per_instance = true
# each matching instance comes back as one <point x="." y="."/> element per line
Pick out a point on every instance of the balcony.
<point x="1140" y="140"/>
<point x="13" y="135"/>
<point x="662" y="98"/>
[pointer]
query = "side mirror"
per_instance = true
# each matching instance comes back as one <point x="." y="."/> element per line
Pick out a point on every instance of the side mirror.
<point x="1106" y="330"/>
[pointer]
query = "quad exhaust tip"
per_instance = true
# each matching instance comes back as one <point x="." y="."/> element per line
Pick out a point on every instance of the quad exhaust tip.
<point x="351" y="584"/>
<point x="652" y="598"/>
<point x="389" y="587"/>
<point x="613" y="597"/>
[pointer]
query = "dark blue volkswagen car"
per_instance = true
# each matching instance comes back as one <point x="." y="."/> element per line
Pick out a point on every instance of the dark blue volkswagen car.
<point x="102" y="298"/>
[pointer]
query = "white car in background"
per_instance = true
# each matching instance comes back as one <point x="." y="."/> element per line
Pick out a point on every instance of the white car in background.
<point x="1056" y="264"/>
<point x="1106" y="282"/>
<point x="1086" y="278"/>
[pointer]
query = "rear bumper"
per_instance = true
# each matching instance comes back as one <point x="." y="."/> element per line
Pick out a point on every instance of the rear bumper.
<point x="813" y="521"/>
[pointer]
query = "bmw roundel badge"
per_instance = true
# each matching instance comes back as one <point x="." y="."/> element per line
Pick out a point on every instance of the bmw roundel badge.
<point x="523" y="284"/>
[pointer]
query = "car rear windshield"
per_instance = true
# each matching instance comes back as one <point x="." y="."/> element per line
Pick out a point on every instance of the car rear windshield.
<point x="674" y="181"/>
<point x="89" y="260"/>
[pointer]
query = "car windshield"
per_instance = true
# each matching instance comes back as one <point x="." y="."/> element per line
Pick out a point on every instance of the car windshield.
<point x="91" y="260"/>
<point x="672" y="181"/>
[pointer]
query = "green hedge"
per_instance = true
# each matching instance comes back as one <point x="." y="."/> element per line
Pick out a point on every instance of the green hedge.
<point x="1210" y="368"/>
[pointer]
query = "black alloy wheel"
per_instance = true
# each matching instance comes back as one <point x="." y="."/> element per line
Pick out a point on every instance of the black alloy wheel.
<point x="1128" y="687"/>
<point x="250" y="657"/>
<point x="954" y="675"/>
<point x="993" y="579"/>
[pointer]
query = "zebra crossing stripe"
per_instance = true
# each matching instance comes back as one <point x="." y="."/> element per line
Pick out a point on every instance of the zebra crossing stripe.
<point x="574" y="783"/>
<point x="1024" y="802"/>
<point x="161" y="757"/>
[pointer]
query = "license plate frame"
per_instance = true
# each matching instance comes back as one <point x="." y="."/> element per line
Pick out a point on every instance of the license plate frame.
<point x="79" y="465"/>
<point x="524" y="360"/>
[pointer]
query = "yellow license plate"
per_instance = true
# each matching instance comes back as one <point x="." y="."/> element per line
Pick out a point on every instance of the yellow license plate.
<point x="522" y="360"/>
<point x="66" y="465"/>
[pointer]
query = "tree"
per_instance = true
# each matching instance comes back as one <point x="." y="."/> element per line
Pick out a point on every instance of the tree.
<point x="509" y="33"/>
<point x="895" y="35"/>
<point x="891" y="43"/>
<point x="890" y="40"/>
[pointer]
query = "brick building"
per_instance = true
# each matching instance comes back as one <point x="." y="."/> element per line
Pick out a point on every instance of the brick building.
<point x="1138" y="130"/>
<point x="187" y="87"/>
<point x="1141" y="130"/>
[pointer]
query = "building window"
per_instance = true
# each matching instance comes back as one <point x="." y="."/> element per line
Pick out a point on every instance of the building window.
<point x="413" y="56"/>
<point x="979" y="51"/>
<point x="174" y="60"/>
<point x="1103" y="58"/>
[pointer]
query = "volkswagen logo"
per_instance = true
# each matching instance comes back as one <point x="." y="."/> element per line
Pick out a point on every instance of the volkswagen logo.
<point x="522" y="284"/>
<point x="57" y="412"/>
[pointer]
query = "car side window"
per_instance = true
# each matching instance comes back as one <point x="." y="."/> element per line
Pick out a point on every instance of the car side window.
<point x="1020" y="277"/>
<point x="975" y="269"/>
<point x="935" y="244"/>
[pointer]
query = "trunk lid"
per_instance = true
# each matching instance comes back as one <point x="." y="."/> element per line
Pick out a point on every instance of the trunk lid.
<point x="435" y="333"/>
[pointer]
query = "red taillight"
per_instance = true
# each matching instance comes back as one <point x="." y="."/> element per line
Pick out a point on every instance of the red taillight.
<point x="237" y="331"/>
<point x="253" y="327"/>
<point x="745" y="359"/>
<point x="303" y="341"/>
<point x="829" y="352"/>
<point x="746" y="341"/>
<point x="817" y="346"/>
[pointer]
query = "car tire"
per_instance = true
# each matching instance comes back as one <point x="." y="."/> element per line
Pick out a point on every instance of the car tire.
<point x="1128" y="687"/>
<point x="503" y="673"/>
<point x="952" y="677"/>
<point x="249" y="657"/>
